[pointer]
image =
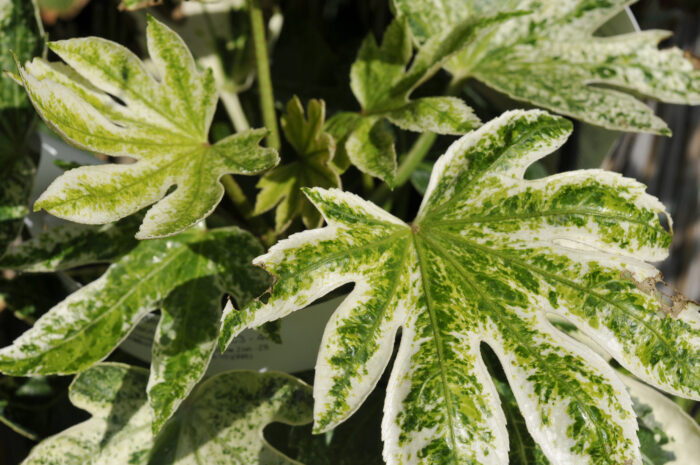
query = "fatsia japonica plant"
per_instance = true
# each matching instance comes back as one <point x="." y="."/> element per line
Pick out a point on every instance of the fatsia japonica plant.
<point x="484" y="316"/>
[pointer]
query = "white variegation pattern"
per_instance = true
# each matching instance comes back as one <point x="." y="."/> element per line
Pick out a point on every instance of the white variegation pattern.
<point x="104" y="100"/>
<point x="184" y="276"/>
<point x="487" y="258"/>
<point x="682" y="431"/>
<point x="551" y="58"/>
<point x="280" y="188"/>
<point x="222" y="423"/>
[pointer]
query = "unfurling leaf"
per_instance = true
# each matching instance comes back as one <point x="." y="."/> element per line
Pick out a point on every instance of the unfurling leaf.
<point x="382" y="82"/>
<point x="487" y="257"/>
<point x="222" y="422"/>
<point x="105" y="101"/>
<point x="281" y="187"/>
<point x="552" y="59"/>
<point x="184" y="276"/>
<point x="22" y="35"/>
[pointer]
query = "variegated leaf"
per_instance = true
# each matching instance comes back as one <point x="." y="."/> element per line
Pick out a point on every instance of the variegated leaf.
<point x="222" y="421"/>
<point x="184" y="276"/>
<point x="281" y="187"/>
<point x="382" y="82"/>
<point x="69" y="246"/>
<point x="205" y="26"/>
<point x="668" y="435"/>
<point x="105" y="101"/>
<point x="552" y="58"/>
<point x="22" y="35"/>
<point x="487" y="257"/>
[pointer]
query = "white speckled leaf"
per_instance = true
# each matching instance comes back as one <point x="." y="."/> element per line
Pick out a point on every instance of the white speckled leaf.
<point x="221" y="424"/>
<point x="488" y="255"/>
<point x="552" y="59"/>
<point x="185" y="277"/>
<point x="314" y="148"/>
<point x="22" y="35"/>
<point x="161" y="121"/>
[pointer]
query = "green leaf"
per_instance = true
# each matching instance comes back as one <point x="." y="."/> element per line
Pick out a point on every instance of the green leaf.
<point x="487" y="257"/>
<point x="22" y="35"/>
<point x="163" y="123"/>
<point x="281" y="187"/>
<point x="552" y="59"/>
<point x="184" y="276"/>
<point x="222" y="423"/>
<point x="382" y="82"/>
<point x="70" y="246"/>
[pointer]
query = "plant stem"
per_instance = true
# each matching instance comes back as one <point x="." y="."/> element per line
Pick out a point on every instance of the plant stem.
<point x="245" y="210"/>
<point x="240" y="123"/>
<point x="367" y="183"/>
<point x="235" y="112"/>
<point x="418" y="151"/>
<point x="267" y="101"/>
<point x="237" y="196"/>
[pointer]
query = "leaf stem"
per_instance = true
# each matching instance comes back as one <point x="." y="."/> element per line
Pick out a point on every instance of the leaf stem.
<point x="267" y="101"/>
<point x="234" y="109"/>
<point x="245" y="210"/>
<point x="237" y="196"/>
<point x="418" y="151"/>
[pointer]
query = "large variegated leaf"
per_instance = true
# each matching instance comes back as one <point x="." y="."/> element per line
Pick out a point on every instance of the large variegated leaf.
<point x="281" y="187"/>
<point x="105" y="101"/>
<point x="221" y="422"/>
<point x="487" y="257"/>
<point x="382" y="82"/>
<point x="184" y="276"/>
<point x="22" y="35"/>
<point x="551" y="58"/>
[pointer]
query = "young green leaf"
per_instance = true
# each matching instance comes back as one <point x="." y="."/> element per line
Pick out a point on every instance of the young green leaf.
<point x="222" y="423"/>
<point x="281" y="187"/>
<point x="552" y="59"/>
<point x="22" y="35"/>
<point x="69" y="246"/>
<point x="163" y="123"/>
<point x="382" y="82"/>
<point x="488" y="255"/>
<point x="184" y="276"/>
